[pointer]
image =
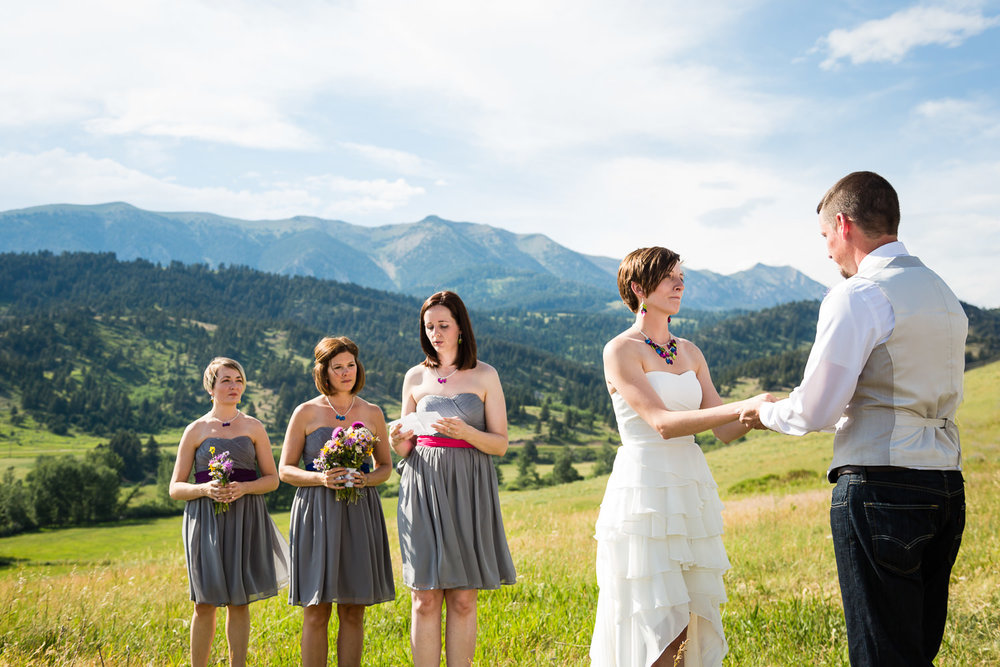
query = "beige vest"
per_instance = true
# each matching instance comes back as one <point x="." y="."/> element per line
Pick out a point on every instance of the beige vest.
<point x="903" y="409"/>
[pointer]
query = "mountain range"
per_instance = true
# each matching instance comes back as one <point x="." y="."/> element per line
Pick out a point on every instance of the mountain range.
<point x="488" y="266"/>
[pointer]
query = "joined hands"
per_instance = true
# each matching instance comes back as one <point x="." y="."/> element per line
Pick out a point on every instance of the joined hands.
<point x="750" y="411"/>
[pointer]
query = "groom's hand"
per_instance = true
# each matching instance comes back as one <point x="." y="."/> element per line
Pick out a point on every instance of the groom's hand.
<point x="750" y="417"/>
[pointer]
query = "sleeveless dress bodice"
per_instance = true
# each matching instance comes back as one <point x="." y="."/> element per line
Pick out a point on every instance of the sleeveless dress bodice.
<point x="240" y="448"/>
<point x="468" y="407"/>
<point x="314" y="443"/>
<point x="678" y="392"/>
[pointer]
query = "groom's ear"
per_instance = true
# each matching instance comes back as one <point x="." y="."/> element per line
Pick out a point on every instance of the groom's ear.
<point x="844" y="225"/>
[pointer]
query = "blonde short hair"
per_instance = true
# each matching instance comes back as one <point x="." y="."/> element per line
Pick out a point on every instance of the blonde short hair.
<point x="208" y="379"/>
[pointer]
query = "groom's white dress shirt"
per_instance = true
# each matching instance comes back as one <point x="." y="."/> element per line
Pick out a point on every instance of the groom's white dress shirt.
<point x="854" y="317"/>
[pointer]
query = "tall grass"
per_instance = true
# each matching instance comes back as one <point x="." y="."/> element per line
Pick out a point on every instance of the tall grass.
<point x="118" y="595"/>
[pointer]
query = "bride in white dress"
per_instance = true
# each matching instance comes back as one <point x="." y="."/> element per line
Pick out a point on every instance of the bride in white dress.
<point x="660" y="557"/>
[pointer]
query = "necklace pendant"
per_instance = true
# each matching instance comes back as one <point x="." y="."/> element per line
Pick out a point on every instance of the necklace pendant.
<point x="668" y="353"/>
<point x="442" y="380"/>
<point x="336" y="413"/>
<point x="225" y="424"/>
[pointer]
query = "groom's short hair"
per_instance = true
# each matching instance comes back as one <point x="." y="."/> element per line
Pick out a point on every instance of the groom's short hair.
<point x="867" y="199"/>
<point x="647" y="267"/>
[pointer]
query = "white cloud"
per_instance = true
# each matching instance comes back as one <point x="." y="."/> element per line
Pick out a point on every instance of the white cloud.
<point x="394" y="160"/>
<point x="29" y="180"/>
<point x="233" y="117"/>
<point x="516" y="78"/>
<point x="350" y="196"/>
<point x="223" y="72"/>
<point x="681" y="204"/>
<point x="523" y="78"/>
<point x="950" y="219"/>
<point x="891" y="38"/>
<point x="974" y="119"/>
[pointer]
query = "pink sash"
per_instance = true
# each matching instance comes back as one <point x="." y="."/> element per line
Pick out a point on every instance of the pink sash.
<point x="436" y="441"/>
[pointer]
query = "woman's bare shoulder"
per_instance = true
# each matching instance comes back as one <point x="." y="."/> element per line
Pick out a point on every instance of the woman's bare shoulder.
<point x="414" y="371"/>
<point x="619" y="343"/>
<point x="369" y="408"/>
<point x="194" y="432"/>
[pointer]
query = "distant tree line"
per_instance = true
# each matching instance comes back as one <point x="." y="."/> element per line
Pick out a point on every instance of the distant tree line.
<point x="95" y="344"/>
<point x="102" y="486"/>
<point x="99" y="487"/>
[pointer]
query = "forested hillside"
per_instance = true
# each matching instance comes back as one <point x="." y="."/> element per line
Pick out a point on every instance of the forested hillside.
<point x="93" y="343"/>
<point x="89" y="342"/>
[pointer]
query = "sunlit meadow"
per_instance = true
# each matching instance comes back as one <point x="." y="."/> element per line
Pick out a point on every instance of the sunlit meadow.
<point x="118" y="595"/>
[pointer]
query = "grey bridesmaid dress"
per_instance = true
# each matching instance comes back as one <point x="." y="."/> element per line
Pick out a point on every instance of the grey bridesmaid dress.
<point x="237" y="556"/>
<point x="451" y="532"/>
<point x="340" y="550"/>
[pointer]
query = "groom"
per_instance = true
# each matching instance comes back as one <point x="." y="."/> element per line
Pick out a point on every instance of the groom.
<point x="887" y="364"/>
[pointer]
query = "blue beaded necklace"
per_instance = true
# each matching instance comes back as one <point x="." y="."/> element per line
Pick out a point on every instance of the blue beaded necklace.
<point x="667" y="353"/>
<point x="340" y="417"/>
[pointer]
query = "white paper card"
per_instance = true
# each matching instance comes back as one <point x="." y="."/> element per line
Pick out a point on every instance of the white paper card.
<point x="418" y="422"/>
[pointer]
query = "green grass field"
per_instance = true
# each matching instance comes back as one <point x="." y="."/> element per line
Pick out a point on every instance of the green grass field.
<point x="117" y="595"/>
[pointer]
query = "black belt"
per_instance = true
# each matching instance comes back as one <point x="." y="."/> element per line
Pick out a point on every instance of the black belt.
<point x="864" y="470"/>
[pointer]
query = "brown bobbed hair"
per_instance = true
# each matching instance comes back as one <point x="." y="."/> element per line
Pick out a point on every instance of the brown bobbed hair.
<point x="212" y="370"/>
<point x="867" y="199"/>
<point x="647" y="267"/>
<point x="467" y="348"/>
<point x="326" y="349"/>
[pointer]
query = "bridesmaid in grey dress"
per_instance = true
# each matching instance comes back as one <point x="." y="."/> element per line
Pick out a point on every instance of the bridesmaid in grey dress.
<point x="236" y="556"/>
<point x="451" y="532"/>
<point x="340" y="550"/>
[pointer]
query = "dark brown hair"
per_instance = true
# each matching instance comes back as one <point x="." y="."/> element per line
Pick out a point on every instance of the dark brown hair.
<point x="466" y="357"/>
<point x="326" y="350"/>
<point x="867" y="199"/>
<point x="646" y="266"/>
<point x="212" y="370"/>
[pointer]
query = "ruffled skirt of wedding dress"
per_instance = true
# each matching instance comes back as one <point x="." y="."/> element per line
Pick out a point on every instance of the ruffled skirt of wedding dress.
<point x="660" y="558"/>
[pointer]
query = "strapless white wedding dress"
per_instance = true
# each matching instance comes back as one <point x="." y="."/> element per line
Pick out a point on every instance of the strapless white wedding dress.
<point x="660" y="557"/>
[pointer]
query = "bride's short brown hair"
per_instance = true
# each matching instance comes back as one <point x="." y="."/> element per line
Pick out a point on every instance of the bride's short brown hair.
<point x="647" y="267"/>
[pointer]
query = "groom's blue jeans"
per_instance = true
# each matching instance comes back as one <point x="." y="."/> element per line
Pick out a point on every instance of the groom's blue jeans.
<point x="896" y="534"/>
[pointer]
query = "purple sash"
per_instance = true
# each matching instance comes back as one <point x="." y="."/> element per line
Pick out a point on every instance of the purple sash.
<point x="237" y="475"/>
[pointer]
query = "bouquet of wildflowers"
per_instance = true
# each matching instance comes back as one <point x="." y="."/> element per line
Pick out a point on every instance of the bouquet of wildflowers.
<point x="347" y="448"/>
<point x="220" y="467"/>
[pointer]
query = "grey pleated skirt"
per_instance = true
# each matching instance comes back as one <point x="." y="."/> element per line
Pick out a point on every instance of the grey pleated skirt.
<point x="451" y="532"/>
<point x="340" y="550"/>
<point x="235" y="557"/>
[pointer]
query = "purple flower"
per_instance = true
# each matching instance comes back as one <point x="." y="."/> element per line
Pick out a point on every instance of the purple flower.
<point x="220" y="467"/>
<point x="349" y="448"/>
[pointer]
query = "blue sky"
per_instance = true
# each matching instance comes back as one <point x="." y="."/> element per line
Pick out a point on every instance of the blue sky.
<point x="712" y="129"/>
